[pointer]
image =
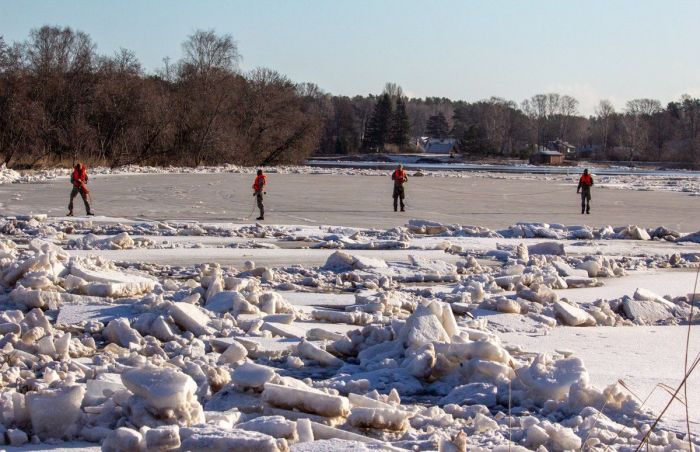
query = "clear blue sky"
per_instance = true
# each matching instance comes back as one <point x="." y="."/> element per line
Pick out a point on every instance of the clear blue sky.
<point x="591" y="49"/>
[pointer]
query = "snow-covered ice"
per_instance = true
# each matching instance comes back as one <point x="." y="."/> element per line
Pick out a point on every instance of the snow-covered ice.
<point x="422" y="334"/>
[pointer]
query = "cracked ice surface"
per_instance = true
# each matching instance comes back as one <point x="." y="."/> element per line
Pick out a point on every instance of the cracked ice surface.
<point x="425" y="336"/>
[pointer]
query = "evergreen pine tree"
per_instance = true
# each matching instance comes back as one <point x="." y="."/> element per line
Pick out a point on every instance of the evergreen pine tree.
<point x="378" y="126"/>
<point x="437" y="126"/>
<point x="474" y="140"/>
<point x="400" y="126"/>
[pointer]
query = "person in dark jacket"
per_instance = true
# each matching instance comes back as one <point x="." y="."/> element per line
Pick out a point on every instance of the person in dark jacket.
<point x="79" y="179"/>
<point x="585" y="183"/>
<point x="399" y="177"/>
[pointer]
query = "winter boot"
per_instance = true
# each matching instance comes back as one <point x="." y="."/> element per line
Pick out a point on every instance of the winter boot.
<point x="90" y="214"/>
<point x="70" y="214"/>
<point x="260" y="218"/>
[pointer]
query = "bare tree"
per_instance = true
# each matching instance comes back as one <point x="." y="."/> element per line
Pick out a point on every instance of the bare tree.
<point x="497" y="122"/>
<point x="537" y="109"/>
<point x="205" y="79"/>
<point x="689" y="113"/>
<point x="605" y="111"/>
<point x="568" y="108"/>
<point x="118" y="106"/>
<point x="643" y="107"/>
<point x="11" y="57"/>
<point x="54" y="49"/>
<point x="20" y="119"/>
<point x="60" y="64"/>
<point x="276" y="124"/>
<point x="3" y="54"/>
<point x="205" y="51"/>
<point x="553" y="104"/>
<point x="636" y="122"/>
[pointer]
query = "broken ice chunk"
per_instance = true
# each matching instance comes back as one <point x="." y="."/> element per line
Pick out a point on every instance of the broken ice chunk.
<point x="308" y="401"/>
<point x="54" y="412"/>
<point x="163" y="388"/>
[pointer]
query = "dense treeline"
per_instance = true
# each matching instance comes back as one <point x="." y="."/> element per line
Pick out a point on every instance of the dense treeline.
<point x="644" y="131"/>
<point x="60" y="101"/>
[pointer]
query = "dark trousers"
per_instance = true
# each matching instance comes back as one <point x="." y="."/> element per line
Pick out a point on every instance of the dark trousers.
<point x="75" y="193"/>
<point x="259" y="197"/>
<point x="399" y="195"/>
<point x="586" y="200"/>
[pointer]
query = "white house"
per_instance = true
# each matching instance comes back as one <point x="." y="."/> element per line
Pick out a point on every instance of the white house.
<point x="437" y="145"/>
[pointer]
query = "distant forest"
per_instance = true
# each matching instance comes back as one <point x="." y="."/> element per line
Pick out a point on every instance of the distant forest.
<point x="61" y="102"/>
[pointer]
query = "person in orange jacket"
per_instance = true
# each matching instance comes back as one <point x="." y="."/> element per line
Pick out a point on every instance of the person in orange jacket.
<point x="399" y="177"/>
<point x="584" y="187"/>
<point x="79" y="179"/>
<point x="258" y="191"/>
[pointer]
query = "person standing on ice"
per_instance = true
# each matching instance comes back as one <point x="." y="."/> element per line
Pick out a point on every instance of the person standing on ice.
<point x="258" y="191"/>
<point x="584" y="187"/>
<point x="79" y="179"/>
<point x="399" y="177"/>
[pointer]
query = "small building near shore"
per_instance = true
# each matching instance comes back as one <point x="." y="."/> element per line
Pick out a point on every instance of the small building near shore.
<point x="547" y="157"/>
<point x="566" y="148"/>
<point x="446" y="146"/>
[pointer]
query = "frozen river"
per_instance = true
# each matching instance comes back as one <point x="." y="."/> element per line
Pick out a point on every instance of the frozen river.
<point x="359" y="201"/>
